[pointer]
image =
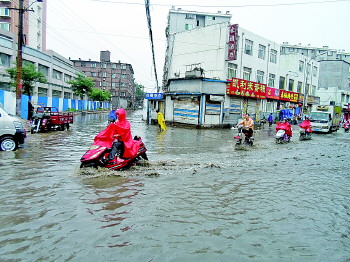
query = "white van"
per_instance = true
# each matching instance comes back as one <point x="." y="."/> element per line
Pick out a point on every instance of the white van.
<point x="12" y="132"/>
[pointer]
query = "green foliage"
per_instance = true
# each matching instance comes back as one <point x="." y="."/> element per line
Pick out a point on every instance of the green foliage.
<point x="71" y="110"/>
<point x="99" y="95"/>
<point x="140" y="94"/>
<point x="30" y="76"/>
<point x="81" y="85"/>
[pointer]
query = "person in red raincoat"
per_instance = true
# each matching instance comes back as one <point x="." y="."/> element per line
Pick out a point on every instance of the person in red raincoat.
<point x="118" y="137"/>
<point x="306" y="124"/>
<point x="285" y="126"/>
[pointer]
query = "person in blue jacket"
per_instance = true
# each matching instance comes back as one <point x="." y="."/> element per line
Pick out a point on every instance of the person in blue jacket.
<point x="270" y="119"/>
<point x="112" y="116"/>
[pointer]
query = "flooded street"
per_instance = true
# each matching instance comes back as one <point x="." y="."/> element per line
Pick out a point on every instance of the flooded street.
<point x="198" y="199"/>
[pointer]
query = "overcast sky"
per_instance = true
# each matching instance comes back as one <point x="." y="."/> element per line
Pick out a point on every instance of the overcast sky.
<point x="82" y="28"/>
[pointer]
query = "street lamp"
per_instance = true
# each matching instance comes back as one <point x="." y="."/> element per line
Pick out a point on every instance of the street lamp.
<point x="21" y="11"/>
<point x="306" y="87"/>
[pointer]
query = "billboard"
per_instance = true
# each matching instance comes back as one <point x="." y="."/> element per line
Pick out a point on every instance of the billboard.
<point x="241" y="87"/>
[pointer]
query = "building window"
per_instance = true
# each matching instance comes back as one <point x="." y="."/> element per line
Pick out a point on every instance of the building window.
<point x="123" y="75"/>
<point x="308" y="68"/>
<point x="232" y="71"/>
<point x="93" y="74"/>
<point x="5" y="60"/>
<point x="262" y="52"/>
<point x="301" y="66"/>
<point x="247" y="73"/>
<point x="260" y="76"/>
<point x="248" y="47"/>
<point x="104" y="74"/>
<point x="124" y="67"/>
<point x="42" y="91"/>
<point x="273" y="56"/>
<point x="43" y="69"/>
<point x="282" y="80"/>
<point x="189" y="16"/>
<point x="104" y="65"/>
<point x="114" y="66"/>
<point x="4" y="11"/>
<point x="93" y="65"/>
<point x="114" y="75"/>
<point x="300" y="87"/>
<point x="272" y="78"/>
<point x="188" y="27"/>
<point x="5" y="26"/>
<point x="56" y="74"/>
<point x="291" y="85"/>
<point x="67" y="78"/>
<point x="314" y="71"/>
<point x="114" y="85"/>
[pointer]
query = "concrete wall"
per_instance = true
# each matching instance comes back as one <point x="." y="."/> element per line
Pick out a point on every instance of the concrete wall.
<point x="335" y="73"/>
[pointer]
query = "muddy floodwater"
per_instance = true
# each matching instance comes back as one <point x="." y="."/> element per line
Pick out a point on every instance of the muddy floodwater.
<point x="197" y="199"/>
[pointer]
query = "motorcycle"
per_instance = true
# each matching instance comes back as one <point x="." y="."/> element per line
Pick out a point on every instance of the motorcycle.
<point x="283" y="132"/>
<point x="248" y="140"/>
<point x="98" y="154"/>
<point x="304" y="134"/>
<point x="346" y="126"/>
<point x="305" y="130"/>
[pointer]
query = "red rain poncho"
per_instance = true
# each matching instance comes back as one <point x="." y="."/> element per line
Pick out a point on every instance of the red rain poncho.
<point x="286" y="127"/>
<point x="122" y="128"/>
<point x="306" y="124"/>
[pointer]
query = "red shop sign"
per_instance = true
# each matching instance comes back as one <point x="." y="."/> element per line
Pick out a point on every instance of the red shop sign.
<point x="241" y="87"/>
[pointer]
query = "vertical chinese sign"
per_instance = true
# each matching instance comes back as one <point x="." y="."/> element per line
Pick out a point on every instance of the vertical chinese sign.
<point x="241" y="87"/>
<point x="232" y="42"/>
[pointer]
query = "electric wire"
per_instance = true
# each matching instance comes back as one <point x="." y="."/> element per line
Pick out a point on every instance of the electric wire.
<point x="79" y="19"/>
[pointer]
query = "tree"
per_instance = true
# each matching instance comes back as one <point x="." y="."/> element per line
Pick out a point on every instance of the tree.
<point x="30" y="76"/>
<point x="99" y="95"/>
<point x="140" y="94"/>
<point x="81" y="85"/>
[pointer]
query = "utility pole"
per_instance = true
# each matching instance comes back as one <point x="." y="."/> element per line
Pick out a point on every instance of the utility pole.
<point x="19" y="58"/>
<point x="21" y="9"/>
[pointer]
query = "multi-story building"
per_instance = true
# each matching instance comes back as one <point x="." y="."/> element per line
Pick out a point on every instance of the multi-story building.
<point x="57" y="70"/>
<point x="334" y="80"/>
<point x="116" y="77"/>
<point x="216" y="73"/>
<point x="34" y="21"/>
<point x="179" y="21"/>
<point x="321" y="53"/>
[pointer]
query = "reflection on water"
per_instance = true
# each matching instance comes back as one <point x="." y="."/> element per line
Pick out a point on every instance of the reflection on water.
<point x="198" y="199"/>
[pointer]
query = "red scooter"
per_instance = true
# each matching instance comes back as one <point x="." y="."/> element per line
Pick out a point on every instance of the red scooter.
<point x="305" y="130"/>
<point x="283" y="132"/>
<point x="98" y="153"/>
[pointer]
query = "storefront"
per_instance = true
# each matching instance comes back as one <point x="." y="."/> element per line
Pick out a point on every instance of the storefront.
<point x="249" y="93"/>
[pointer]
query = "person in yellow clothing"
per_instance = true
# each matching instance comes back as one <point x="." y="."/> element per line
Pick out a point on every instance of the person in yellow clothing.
<point x="161" y="121"/>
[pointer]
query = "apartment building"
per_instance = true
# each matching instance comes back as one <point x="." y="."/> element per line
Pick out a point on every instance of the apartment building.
<point x="115" y="77"/>
<point x="215" y="73"/>
<point x="34" y="21"/>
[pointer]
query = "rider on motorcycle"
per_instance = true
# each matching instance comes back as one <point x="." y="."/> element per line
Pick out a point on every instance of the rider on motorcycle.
<point x="118" y="137"/>
<point x="248" y="126"/>
<point x="306" y="124"/>
<point x="285" y="126"/>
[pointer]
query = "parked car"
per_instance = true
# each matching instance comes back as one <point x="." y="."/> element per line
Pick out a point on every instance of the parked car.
<point x="12" y="132"/>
